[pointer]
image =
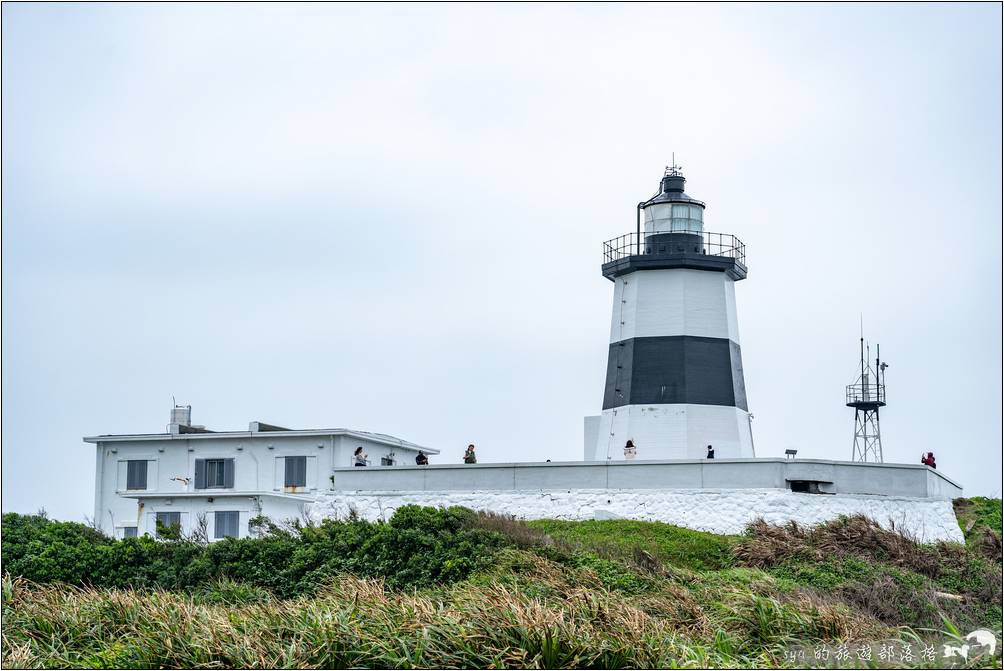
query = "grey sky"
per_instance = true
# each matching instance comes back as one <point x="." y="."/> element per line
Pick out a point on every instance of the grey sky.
<point x="390" y="218"/>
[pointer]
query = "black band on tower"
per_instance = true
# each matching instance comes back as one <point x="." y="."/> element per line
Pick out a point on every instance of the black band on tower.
<point x="674" y="369"/>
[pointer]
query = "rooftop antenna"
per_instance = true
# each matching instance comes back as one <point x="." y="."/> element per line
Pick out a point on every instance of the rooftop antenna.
<point x="866" y="396"/>
<point x="673" y="170"/>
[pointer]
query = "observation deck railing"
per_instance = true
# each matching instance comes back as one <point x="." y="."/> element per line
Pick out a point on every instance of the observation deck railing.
<point x="634" y="244"/>
<point x="866" y="394"/>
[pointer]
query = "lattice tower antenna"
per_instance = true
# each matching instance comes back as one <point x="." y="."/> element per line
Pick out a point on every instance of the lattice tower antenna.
<point x="866" y="396"/>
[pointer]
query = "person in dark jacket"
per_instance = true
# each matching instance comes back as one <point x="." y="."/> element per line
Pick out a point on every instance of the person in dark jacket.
<point x="711" y="452"/>
<point x="421" y="459"/>
<point x="469" y="456"/>
<point x="630" y="451"/>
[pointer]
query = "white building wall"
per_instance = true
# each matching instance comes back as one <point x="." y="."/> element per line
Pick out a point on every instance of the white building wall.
<point x="345" y="446"/>
<point x="259" y="470"/>
<point x="725" y="511"/>
<point x="191" y="509"/>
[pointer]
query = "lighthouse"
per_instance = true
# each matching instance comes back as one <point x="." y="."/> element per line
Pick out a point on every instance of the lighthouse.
<point x="674" y="381"/>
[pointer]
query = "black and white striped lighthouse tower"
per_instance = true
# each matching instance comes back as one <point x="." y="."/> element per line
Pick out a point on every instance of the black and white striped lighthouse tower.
<point x="674" y="371"/>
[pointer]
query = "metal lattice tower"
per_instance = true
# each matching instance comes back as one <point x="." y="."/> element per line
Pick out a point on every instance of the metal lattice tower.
<point x="866" y="396"/>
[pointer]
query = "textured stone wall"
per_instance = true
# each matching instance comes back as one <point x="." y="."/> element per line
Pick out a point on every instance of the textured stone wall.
<point x="723" y="511"/>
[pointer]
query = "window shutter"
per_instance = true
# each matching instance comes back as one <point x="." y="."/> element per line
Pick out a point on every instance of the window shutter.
<point x="290" y="479"/>
<point x="303" y="472"/>
<point x="141" y="467"/>
<point x="228" y="473"/>
<point x="200" y="473"/>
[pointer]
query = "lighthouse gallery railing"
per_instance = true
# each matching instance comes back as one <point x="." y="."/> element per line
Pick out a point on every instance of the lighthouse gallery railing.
<point x="633" y="244"/>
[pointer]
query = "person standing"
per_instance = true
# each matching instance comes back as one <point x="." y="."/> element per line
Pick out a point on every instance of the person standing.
<point x="359" y="458"/>
<point x="630" y="451"/>
<point x="711" y="452"/>
<point x="421" y="459"/>
<point x="469" y="456"/>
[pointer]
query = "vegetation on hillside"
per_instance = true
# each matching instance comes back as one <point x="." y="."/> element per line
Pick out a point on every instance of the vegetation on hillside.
<point x="420" y="547"/>
<point x="452" y="588"/>
<point x="980" y="520"/>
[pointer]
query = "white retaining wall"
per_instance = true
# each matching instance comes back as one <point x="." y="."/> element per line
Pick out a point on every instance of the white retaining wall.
<point x="722" y="511"/>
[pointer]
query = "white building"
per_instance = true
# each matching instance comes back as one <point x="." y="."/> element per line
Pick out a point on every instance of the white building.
<point x="220" y="480"/>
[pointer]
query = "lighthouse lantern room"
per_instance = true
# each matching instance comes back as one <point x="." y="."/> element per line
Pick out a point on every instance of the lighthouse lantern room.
<point x="674" y="380"/>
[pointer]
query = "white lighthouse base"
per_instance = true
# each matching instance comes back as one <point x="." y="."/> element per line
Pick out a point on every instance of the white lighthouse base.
<point x="671" y="431"/>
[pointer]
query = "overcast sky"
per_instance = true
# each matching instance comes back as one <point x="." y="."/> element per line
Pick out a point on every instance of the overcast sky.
<point x="390" y="218"/>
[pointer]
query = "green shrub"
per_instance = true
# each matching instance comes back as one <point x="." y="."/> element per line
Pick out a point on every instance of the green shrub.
<point x="229" y="592"/>
<point x="983" y="511"/>
<point x="613" y="575"/>
<point x="420" y="547"/>
<point x="695" y="550"/>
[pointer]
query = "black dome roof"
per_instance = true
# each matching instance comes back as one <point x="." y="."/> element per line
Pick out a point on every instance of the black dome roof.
<point x="671" y="190"/>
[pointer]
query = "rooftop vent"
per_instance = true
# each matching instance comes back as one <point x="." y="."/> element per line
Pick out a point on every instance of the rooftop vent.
<point x="181" y="421"/>
<point x="256" y="427"/>
<point x="181" y="416"/>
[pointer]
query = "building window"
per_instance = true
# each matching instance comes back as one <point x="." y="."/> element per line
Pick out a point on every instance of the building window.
<point x="169" y="523"/>
<point x="136" y="474"/>
<point x="226" y="525"/>
<point x="129" y="532"/>
<point x="296" y="471"/>
<point x="386" y="461"/>
<point x="214" y="473"/>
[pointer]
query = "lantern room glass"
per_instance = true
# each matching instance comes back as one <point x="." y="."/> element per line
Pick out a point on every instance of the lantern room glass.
<point x="674" y="218"/>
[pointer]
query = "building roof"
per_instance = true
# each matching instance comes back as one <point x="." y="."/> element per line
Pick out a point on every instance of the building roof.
<point x="671" y="190"/>
<point x="271" y="432"/>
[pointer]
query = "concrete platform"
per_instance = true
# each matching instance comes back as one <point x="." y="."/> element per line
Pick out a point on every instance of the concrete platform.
<point x="817" y="476"/>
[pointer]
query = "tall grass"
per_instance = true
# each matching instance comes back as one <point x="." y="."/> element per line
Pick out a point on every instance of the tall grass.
<point x="349" y="623"/>
<point x="358" y="623"/>
<point x="880" y="572"/>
